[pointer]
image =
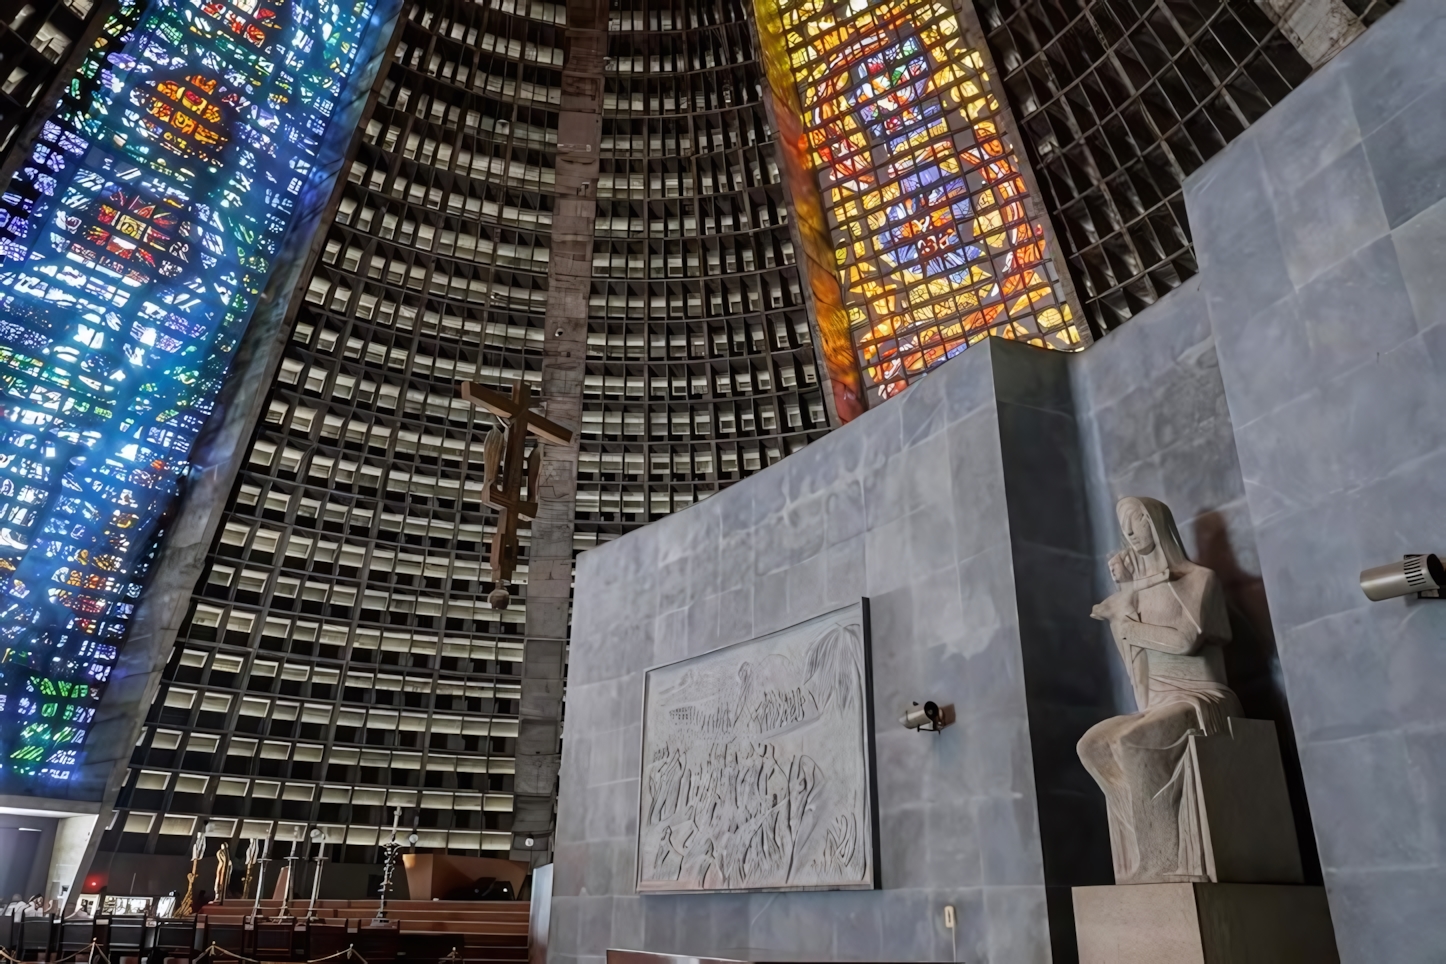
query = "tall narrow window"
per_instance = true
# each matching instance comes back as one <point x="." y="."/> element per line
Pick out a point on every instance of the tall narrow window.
<point x="134" y="247"/>
<point x="937" y="240"/>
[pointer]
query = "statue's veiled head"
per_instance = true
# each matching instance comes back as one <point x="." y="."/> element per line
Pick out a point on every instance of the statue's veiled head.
<point x="1149" y="529"/>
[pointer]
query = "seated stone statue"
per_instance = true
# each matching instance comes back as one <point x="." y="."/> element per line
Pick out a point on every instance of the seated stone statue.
<point x="1169" y="621"/>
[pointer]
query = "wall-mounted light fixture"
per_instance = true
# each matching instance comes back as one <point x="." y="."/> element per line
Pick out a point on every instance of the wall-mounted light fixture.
<point x="1419" y="573"/>
<point x="929" y="718"/>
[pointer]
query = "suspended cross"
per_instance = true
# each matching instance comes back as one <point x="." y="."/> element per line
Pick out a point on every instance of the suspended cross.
<point x="503" y="455"/>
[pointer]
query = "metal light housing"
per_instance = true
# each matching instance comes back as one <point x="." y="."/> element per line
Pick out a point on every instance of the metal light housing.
<point x="1417" y="573"/>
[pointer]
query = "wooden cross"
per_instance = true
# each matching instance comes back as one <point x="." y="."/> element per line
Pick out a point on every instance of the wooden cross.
<point x="505" y="491"/>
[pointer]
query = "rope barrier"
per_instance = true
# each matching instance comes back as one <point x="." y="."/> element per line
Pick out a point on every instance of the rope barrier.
<point x="59" y="960"/>
<point x="90" y="951"/>
<point x="350" y="953"/>
<point x="218" y="949"/>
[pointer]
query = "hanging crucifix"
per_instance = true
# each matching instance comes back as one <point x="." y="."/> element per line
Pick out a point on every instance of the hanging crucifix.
<point x="503" y="471"/>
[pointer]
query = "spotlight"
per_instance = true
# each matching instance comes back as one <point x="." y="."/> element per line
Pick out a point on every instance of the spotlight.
<point x="929" y="718"/>
<point x="1416" y="573"/>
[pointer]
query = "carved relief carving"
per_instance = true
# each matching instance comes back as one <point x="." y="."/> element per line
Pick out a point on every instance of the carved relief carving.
<point x="756" y="765"/>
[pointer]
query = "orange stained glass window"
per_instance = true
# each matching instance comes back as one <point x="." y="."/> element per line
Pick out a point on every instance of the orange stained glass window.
<point x="134" y="238"/>
<point x="937" y="239"/>
<point x="250" y="21"/>
<point x="184" y="117"/>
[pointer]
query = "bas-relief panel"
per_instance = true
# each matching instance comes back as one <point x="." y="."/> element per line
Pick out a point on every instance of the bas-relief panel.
<point x="758" y="764"/>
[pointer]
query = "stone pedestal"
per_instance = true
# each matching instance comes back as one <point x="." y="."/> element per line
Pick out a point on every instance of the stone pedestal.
<point x="1203" y="923"/>
<point x="1246" y="826"/>
<point x="1252" y="909"/>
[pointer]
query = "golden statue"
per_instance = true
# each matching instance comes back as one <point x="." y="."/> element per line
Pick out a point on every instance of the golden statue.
<point x="223" y="872"/>
<point x="198" y="850"/>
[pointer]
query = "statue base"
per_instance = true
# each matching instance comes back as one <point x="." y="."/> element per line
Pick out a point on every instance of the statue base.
<point x="1245" y="820"/>
<point x="1236" y="801"/>
<point x="1203" y="923"/>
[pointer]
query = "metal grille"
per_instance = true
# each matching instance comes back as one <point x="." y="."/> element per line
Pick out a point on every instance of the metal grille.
<point x="1119" y="101"/>
<point x="701" y="365"/>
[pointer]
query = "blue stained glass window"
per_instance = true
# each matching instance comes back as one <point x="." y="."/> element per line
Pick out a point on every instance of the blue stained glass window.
<point x="133" y="249"/>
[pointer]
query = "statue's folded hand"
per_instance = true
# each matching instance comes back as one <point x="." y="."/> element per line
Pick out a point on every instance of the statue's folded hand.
<point x="1121" y="605"/>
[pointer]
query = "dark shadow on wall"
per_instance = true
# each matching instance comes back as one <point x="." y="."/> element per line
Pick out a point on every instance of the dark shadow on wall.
<point x="1067" y="677"/>
<point x="1252" y="665"/>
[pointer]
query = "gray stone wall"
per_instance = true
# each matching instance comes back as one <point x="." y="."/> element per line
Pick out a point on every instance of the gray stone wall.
<point x="905" y="505"/>
<point x="1153" y="420"/>
<point x="1322" y="240"/>
<point x="1287" y="404"/>
<point x="1067" y="662"/>
<point x="976" y="512"/>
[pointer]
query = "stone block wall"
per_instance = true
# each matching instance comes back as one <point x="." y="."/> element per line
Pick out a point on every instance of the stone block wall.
<point x="905" y="505"/>
<point x="969" y="513"/>
<point x="1154" y="420"/>
<point x="1286" y="403"/>
<point x="976" y="513"/>
<point x="1322" y="242"/>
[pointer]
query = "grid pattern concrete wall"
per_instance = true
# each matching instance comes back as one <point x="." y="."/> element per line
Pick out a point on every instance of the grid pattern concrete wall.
<point x="702" y="366"/>
<point x="1120" y="101"/>
<point x="39" y="41"/>
<point x="339" y="658"/>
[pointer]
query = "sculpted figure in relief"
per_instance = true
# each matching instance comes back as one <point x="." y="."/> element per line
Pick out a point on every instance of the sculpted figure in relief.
<point x="1169" y="621"/>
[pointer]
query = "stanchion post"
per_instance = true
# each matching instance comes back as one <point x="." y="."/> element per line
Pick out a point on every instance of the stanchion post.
<point x="291" y="860"/>
<point x="261" y="882"/>
<point x="388" y="865"/>
<point x="318" y="837"/>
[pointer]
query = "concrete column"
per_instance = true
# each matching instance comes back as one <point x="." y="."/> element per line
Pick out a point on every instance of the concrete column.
<point x="1319" y="29"/>
<point x="549" y="563"/>
<point x="72" y="838"/>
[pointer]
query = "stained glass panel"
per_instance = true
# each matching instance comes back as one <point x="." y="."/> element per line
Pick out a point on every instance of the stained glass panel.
<point x="937" y="240"/>
<point x="133" y="249"/>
